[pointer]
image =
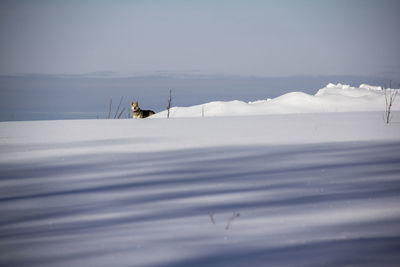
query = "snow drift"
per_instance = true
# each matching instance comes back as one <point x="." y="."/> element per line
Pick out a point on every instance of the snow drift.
<point x="332" y="98"/>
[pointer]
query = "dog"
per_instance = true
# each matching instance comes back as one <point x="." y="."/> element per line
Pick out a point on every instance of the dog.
<point x="140" y="114"/>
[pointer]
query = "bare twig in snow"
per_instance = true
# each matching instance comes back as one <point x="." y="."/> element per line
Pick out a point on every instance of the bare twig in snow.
<point x="234" y="216"/>
<point x="390" y="96"/>
<point x="119" y="105"/>
<point x="119" y="116"/>
<point x="169" y="102"/>
<point x="109" y="108"/>
<point x="211" y="217"/>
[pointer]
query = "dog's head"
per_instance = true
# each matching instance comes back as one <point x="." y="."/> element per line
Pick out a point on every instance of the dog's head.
<point x="135" y="106"/>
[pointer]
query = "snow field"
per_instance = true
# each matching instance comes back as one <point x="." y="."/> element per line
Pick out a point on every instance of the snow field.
<point x="315" y="189"/>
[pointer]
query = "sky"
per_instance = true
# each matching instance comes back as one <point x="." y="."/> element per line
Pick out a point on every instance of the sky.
<point x="248" y="37"/>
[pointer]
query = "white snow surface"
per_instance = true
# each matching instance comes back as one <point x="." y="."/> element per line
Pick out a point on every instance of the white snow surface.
<point x="315" y="189"/>
<point x="332" y="98"/>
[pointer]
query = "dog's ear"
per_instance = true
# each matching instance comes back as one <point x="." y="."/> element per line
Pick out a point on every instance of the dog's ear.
<point x="137" y="103"/>
<point x="132" y="103"/>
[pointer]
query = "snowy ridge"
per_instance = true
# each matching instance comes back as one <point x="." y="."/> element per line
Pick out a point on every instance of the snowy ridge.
<point x="332" y="98"/>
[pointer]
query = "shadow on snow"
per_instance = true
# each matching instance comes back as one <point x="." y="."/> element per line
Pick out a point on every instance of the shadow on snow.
<point x="96" y="194"/>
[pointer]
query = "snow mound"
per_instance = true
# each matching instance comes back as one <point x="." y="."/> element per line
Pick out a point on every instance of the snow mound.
<point x="332" y="98"/>
<point x="348" y="91"/>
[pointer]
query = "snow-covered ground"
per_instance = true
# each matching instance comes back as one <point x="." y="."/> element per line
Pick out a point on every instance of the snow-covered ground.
<point x="332" y="98"/>
<point x="314" y="189"/>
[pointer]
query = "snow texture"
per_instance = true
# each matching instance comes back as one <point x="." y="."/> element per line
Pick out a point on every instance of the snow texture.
<point x="316" y="189"/>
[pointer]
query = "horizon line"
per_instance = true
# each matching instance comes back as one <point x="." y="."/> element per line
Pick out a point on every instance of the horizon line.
<point x="181" y="75"/>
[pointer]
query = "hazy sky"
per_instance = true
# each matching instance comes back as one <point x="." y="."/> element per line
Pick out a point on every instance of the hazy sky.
<point x="249" y="37"/>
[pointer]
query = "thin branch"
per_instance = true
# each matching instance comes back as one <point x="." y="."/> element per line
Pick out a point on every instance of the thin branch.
<point x="119" y="105"/>
<point x="386" y="107"/>
<point x="234" y="216"/>
<point x="211" y="217"/>
<point x="390" y="97"/>
<point x="109" y="108"/>
<point x="169" y="102"/>
<point x="119" y="116"/>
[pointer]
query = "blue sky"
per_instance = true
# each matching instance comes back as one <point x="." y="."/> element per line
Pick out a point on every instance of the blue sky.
<point x="249" y="37"/>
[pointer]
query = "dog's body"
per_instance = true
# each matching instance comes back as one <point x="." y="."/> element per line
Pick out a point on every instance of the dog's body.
<point x="140" y="114"/>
